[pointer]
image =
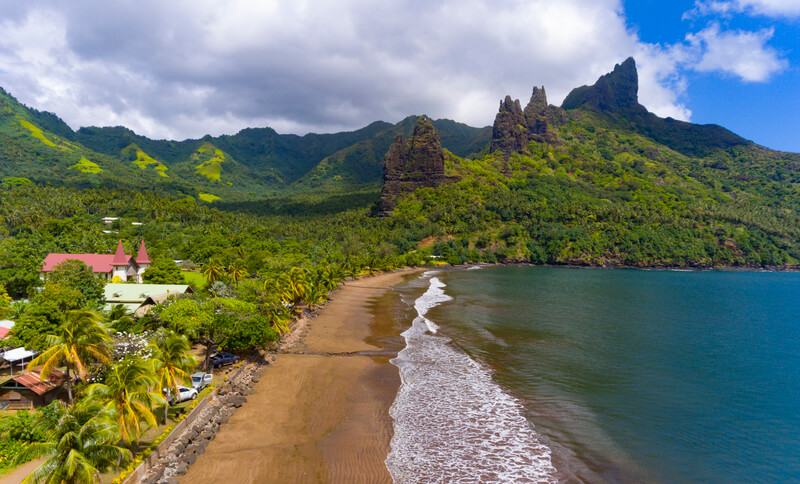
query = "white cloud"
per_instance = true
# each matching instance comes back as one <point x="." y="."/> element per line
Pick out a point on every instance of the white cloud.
<point x="741" y="53"/>
<point x="767" y="8"/>
<point x="186" y="68"/>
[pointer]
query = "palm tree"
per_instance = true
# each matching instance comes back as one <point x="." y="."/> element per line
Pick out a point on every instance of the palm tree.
<point x="128" y="397"/>
<point x="172" y="363"/>
<point x="279" y="317"/>
<point x="213" y="271"/>
<point x="78" y="448"/>
<point x="293" y="287"/>
<point x="236" y="271"/>
<point x="80" y="337"/>
<point x="119" y="318"/>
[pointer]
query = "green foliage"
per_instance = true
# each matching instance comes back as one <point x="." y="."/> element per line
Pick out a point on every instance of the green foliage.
<point x="79" y="446"/>
<point x="163" y="271"/>
<point x="77" y="275"/>
<point x="211" y="164"/>
<point x="87" y="166"/>
<point x="78" y="340"/>
<point x="128" y="394"/>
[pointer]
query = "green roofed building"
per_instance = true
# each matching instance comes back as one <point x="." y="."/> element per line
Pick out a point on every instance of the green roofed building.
<point x="139" y="298"/>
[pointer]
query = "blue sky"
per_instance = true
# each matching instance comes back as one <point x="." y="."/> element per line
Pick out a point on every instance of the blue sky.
<point x="766" y="111"/>
<point x="186" y="68"/>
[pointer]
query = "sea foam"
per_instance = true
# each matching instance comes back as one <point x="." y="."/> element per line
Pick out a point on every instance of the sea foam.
<point x="452" y="422"/>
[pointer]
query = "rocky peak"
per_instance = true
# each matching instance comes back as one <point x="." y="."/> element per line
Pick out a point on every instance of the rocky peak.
<point x="616" y="91"/>
<point x="514" y="128"/>
<point x="509" y="133"/>
<point x="541" y="118"/>
<point x="411" y="164"/>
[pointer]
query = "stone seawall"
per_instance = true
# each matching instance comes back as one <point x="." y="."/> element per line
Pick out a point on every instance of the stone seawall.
<point x="190" y="437"/>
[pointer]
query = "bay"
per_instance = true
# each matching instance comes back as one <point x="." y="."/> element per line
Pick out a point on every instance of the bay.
<point x="632" y="376"/>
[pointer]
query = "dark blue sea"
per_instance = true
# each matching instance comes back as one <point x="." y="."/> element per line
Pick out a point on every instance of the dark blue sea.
<point x="539" y="374"/>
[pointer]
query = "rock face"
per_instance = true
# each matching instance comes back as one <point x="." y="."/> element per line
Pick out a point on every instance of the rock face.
<point x="514" y="128"/>
<point x="411" y="164"/>
<point x="617" y="91"/>
<point x="542" y="118"/>
<point x="509" y="133"/>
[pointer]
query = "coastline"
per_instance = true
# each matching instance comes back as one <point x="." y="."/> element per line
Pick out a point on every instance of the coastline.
<point x="639" y="268"/>
<point x="320" y="412"/>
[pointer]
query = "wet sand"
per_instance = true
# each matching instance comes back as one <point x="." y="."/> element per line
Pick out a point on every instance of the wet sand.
<point x="320" y="413"/>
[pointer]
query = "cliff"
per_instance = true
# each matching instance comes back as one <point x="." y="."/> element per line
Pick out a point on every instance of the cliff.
<point x="514" y="127"/>
<point x="412" y="163"/>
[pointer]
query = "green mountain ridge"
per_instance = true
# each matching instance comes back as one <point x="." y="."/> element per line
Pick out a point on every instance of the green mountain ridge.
<point x="599" y="181"/>
<point x="253" y="163"/>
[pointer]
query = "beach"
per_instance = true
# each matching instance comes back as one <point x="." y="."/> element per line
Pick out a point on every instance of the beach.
<point x="320" y="412"/>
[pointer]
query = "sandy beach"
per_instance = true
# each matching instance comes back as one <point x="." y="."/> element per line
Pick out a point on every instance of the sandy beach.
<point x="320" y="412"/>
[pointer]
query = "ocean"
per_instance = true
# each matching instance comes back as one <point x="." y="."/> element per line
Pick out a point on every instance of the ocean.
<point x="543" y="374"/>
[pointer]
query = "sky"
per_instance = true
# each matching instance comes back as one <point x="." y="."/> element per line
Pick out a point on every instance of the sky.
<point x="183" y="69"/>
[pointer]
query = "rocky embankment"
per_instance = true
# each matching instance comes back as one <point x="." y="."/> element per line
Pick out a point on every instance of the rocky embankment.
<point x="193" y="439"/>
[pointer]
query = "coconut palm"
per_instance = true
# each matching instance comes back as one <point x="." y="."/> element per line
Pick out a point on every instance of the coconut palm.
<point x="213" y="271"/>
<point x="82" y="336"/>
<point x="236" y="271"/>
<point x="78" y="448"/>
<point x="293" y="287"/>
<point x="127" y="395"/>
<point x="279" y="317"/>
<point x="172" y="363"/>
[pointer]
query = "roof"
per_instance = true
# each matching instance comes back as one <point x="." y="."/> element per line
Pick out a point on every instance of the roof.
<point x="3" y="332"/>
<point x="18" y="354"/>
<point x="138" y="293"/>
<point x="33" y="381"/>
<point x="120" y="258"/>
<point x="141" y="256"/>
<point x="6" y="323"/>
<point x="98" y="262"/>
<point x="150" y="302"/>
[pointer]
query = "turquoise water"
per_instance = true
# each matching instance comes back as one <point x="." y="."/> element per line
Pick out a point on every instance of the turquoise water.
<point x="631" y="376"/>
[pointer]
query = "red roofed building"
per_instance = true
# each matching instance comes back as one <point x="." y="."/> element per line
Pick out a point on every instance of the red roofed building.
<point x="29" y="391"/>
<point x="107" y="266"/>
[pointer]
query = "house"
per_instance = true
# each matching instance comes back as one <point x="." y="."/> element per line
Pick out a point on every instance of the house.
<point x="139" y="298"/>
<point x="28" y="391"/>
<point x="106" y="266"/>
<point x="5" y="327"/>
<point x="17" y="356"/>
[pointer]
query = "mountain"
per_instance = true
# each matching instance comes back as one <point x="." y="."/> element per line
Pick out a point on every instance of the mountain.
<point x="412" y="163"/>
<point x="601" y="181"/>
<point x="255" y="162"/>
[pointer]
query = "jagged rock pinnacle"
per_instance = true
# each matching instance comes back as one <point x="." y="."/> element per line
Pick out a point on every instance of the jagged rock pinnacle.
<point x="411" y="164"/>
<point x="616" y="91"/>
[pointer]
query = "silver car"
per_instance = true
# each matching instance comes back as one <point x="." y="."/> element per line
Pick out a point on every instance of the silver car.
<point x="201" y="380"/>
<point x="185" y="393"/>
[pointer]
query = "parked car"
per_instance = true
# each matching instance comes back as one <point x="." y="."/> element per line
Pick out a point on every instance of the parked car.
<point x="201" y="380"/>
<point x="185" y="393"/>
<point x="222" y="359"/>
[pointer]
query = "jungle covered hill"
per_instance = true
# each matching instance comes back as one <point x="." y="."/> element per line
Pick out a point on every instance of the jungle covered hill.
<point x="254" y="163"/>
<point x="597" y="181"/>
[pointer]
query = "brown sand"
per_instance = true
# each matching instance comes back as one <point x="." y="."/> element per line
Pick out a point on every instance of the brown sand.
<point x="320" y="412"/>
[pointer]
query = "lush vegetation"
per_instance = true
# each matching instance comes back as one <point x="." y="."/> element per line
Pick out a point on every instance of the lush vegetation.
<point x="617" y="189"/>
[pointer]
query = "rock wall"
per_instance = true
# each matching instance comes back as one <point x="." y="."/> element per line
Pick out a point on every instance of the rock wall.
<point x="410" y="164"/>
<point x="617" y="92"/>
<point x="514" y="127"/>
<point x="190" y="438"/>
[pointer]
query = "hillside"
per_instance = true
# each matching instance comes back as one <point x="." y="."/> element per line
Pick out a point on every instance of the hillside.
<point x="616" y="186"/>
<point x="596" y="181"/>
<point x="253" y="163"/>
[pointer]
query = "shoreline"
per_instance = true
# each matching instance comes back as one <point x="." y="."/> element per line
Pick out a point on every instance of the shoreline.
<point x="638" y="268"/>
<point x="320" y="412"/>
